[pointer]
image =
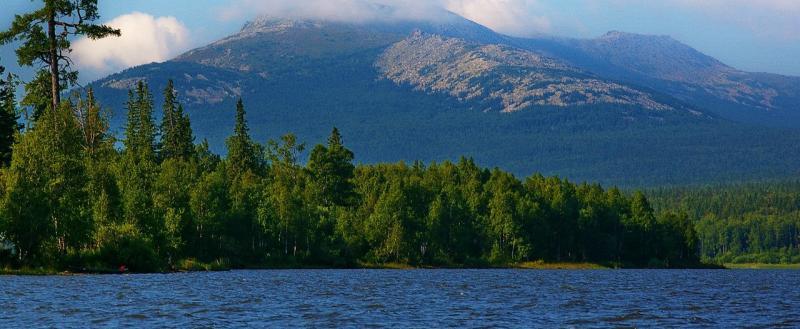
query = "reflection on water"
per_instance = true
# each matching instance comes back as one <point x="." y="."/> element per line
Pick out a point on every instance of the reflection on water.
<point x="416" y="298"/>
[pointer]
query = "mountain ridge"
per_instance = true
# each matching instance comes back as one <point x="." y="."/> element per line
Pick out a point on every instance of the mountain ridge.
<point x="406" y="90"/>
<point x="663" y="63"/>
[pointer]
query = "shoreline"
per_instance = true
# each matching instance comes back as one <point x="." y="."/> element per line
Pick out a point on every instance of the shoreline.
<point x="538" y="265"/>
<point x="762" y="266"/>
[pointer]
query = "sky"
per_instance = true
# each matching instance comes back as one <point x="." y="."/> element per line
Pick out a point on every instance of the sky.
<point x="752" y="35"/>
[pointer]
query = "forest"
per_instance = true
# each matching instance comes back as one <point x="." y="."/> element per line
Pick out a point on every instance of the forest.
<point x="755" y="222"/>
<point x="73" y="198"/>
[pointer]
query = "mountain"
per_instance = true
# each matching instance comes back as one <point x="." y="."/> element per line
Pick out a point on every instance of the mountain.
<point x="663" y="63"/>
<point x="611" y="110"/>
<point x="519" y="79"/>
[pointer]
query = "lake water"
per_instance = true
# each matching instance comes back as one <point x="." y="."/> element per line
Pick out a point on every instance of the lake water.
<point x="412" y="298"/>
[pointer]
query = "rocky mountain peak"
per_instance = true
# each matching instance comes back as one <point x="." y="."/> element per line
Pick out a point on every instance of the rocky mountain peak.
<point x="627" y="36"/>
<point x="269" y="24"/>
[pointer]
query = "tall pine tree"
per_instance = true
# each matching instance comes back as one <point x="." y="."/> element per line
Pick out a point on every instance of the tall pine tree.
<point x="46" y="33"/>
<point x="177" y="141"/>
<point x="8" y="117"/>
<point x="243" y="153"/>
<point x="93" y="124"/>
<point x="140" y="131"/>
<point x="244" y="178"/>
<point x="138" y="169"/>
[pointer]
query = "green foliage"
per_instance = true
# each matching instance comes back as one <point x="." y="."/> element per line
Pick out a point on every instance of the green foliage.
<point x="177" y="140"/>
<point x="137" y="170"/>
<point x="210" y="202"/>
<point x="45" y="199"/>
<point x="739" y="223"/>
<point x="286" y="197"/>
<point x="9" y="126"/>
<point x="37" y="96"/>
<point x="171" y="199"/>
<point x="126" y="247"/>
<point x="331" y="171"/>
<point x="243" y="153"/>
<point x="140" y="141"/>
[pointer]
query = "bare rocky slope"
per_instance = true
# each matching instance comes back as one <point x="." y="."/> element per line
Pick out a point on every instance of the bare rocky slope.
<point x="501" y="77"/>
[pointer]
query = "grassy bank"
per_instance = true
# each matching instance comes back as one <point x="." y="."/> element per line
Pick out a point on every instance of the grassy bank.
<point x="539" y="265"/>
<point x="29" y="271"/>
<point x="762" y="266"/>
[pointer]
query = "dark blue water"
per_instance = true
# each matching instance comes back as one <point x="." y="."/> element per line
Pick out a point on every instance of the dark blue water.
<point x="416" y="298"/>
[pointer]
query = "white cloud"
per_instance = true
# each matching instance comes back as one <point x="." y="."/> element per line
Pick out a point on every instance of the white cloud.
<point x="515" y="17"/>
<point x="333" y="10"/>
<point x="764" y="18"/>
<point x="145" y="39"/>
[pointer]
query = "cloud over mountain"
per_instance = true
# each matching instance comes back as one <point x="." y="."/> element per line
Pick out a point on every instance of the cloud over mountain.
<point x="514" y="17"/>
<point x="145" y="39"/>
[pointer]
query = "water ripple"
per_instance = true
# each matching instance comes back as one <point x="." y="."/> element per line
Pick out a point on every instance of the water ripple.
<point x="408" y="299"/>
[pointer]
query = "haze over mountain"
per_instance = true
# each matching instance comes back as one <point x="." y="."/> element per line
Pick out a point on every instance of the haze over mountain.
<point x="621" y="109"/>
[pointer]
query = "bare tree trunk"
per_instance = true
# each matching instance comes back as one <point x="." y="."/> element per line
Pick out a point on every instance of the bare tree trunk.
<point x="51" y="35"/>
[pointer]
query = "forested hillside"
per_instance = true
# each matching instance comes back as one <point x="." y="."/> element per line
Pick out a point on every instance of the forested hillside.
<point x="740" y="223"/>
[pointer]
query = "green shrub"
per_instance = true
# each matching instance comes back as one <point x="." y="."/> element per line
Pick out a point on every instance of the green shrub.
<point x="126" y="247"/>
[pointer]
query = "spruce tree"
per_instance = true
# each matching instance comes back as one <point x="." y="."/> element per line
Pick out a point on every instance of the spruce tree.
<point x="132" y="123"/>
<point x="242" y="151"/>
<point x="93" y="124"/>
<point x="177" y="141"/>
<point x="185" y="135"/>
<point x="138" y="169"/>
<point x="141" y="130"/>
<point x="148" y="130"/>
<point x="9" y="125"/>
<point x="244" y="170"/>
<point x="36" y="97"/>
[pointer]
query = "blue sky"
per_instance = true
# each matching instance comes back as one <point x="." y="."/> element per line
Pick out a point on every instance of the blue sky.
<point x="753" y="35"/>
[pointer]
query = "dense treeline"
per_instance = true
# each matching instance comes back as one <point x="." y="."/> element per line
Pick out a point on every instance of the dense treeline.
<point x="71" y="198"/>
<point x="741" y="223"/>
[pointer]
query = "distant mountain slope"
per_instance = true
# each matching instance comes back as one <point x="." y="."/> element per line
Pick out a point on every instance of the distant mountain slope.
<point x="662" y="63"/>
<point x="420" y="91"/>
<point x="501" y="77"/>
